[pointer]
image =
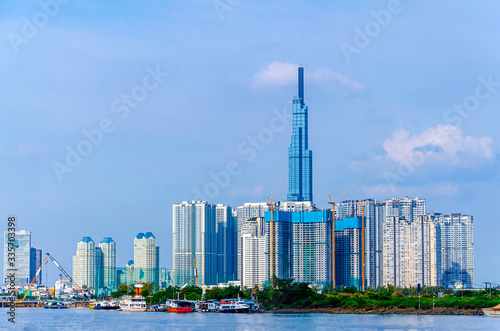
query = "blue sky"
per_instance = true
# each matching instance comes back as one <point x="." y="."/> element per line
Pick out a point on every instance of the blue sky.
<point x="385" y="112"/>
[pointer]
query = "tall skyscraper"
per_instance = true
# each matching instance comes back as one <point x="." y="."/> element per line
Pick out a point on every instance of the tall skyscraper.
<point x="108" y="247"/>
<point x="129" y="272"/>
<point x="146" y="259"/>
<point x="348" y="252"/>
<point x="410" y="252"/>
<point x="282" y="243"/>
<point x="255" y="255"/>
<point x="84" y="263"/>
<point x="35" y="262"/>
<point x="226" y="230"/>
<point x="456" y="245"/>
<point x="244" y="213"/>
<point x="299" y="155"/>
<point x="312" y="239"/>
<point x="99" y="272"/>
<point x="21" y="262"/>
<point x="194" y="239"/>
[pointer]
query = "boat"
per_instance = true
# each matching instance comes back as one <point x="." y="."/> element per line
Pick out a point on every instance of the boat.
<point x="110" y="305"/>
<point x="95" y="305"/>
<point x="55" y="305"/>
<point x="133" y="304"/>
<point x="179" y="306"/>
<point x="234" y="306"/>
<point x="492" y="312"/>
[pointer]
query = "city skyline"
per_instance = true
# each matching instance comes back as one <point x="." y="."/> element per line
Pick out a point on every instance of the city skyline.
<point x="411" y="109"/>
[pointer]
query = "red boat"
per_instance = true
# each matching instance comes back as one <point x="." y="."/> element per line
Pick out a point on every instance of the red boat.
<point x="180" y="310"/>
<point x="179" y="306"/>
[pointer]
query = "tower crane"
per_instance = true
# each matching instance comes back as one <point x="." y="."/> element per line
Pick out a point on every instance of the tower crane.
<point x="65" y="273"/>
<point x="34" y="278"/>
<point x="271" y="206"/>
<point x="332" y="202"/>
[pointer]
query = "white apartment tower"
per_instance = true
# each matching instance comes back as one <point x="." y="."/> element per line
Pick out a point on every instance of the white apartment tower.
<point x="108" y="248"/>
<point x="146" y="259"/>
<point x="84" y="266"/>
<point x="254" y="259"/>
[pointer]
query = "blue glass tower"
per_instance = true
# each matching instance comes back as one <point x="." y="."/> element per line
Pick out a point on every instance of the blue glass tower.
<point x="299" y="155"/>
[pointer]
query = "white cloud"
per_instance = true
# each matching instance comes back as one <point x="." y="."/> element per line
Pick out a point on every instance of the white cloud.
<point x="279" y="73"/>
<point x="444" y="144"/>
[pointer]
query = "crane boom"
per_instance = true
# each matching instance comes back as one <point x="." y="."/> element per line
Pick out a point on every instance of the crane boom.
<point x="65" y="273"/>
<point x="34" y="278"/>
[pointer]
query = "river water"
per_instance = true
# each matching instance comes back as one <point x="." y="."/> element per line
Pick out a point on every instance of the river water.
<point x="85" y="319"/>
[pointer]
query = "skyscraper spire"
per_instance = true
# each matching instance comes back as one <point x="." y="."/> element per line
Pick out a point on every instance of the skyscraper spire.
<point x="301" y="85"/>
<point x="299" y="155"/>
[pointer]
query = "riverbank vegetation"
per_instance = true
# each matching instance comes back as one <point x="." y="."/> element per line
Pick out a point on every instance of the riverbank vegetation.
<point x="288" y="294"/>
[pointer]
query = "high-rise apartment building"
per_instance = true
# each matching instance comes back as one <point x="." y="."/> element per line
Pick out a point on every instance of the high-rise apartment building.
<point x="21" y="261"/>
<point x="35" y="262"/>
<point x="226" y="229"/>
<point x="146" y="259"/>
<point x="99" y="272"/>
<point x="255" y="254"/>
<point x="84" y="266"/>
<point x="129" y="272"/>
<point x="299" y="156"/>
<point x="244" y="213"/>
<point x="282" y="243"/>
<point x="194" y="239"/>
<point x="410" y="252"/>
<point x="456" y="247"/>
<point x="108" y="248"/>
<point x="348" y="252"/>
<point x="312" y="250"/>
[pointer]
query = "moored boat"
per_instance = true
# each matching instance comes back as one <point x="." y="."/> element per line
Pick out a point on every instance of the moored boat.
<point x="234" y="306"/>
<point x="55" y="305"/>
<point x="179" y="306"/>
<point x="134" y="304"/>
<point x="492" y="312"/>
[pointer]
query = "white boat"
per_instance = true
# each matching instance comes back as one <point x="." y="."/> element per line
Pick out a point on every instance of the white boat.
<point x="233" y="306"/>
<point x="133" y="304"/>
<point x="492" y="312"/>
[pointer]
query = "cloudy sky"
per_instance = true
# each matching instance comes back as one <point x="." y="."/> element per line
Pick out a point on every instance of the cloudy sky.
<point x="112" y="111"/>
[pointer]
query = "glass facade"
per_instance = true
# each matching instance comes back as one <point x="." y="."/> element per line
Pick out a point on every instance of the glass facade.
<point x="22" y="244"/>
<point x="108" y="247"/>
<point x="299" y="155"/>
<point x="146" y="259"/>
<point x="35" y="262"/>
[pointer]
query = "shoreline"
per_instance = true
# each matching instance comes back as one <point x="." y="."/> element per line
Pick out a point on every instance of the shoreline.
<point x="382" y="311"/>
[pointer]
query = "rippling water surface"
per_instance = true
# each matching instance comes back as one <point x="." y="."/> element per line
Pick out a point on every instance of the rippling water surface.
<point x="86" y="319"/>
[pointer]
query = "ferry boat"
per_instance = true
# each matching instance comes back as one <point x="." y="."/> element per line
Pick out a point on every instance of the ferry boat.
<point x="55" y="305"/>
<point x="179" y="306"/>
<point x="234" y="306"/>
<point x="134" y="304"/>
<point x="492" y="312"/>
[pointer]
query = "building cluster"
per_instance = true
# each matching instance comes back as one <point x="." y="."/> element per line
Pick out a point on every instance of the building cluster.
<point x="364" y="244"/>
<point x="359" y="243"/>
<point x="404" y="245"/>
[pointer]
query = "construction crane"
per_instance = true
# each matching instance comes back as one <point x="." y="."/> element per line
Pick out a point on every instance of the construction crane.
<point x="332" y="202"/>
<point x="195" y="273"/>
<point x="271" y="206"/>
<point x="34" y="279"/>
<point x="65" y="273"/>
